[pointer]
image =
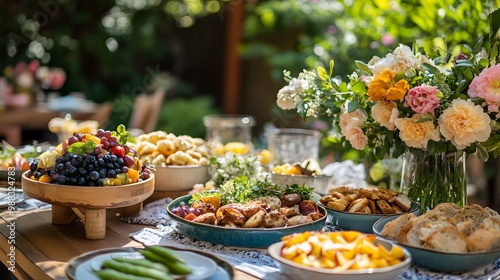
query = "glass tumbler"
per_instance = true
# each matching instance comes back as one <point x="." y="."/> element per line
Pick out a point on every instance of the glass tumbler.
<point x="227" y="128"/>
<point x="290" y="145"/>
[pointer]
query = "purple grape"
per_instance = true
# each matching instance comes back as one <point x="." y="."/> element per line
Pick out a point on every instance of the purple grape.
<point x="100" y="132"/>
<point x="128" y="161"/>
<point x="72" y="139"/>
<point x="97" y="150"/>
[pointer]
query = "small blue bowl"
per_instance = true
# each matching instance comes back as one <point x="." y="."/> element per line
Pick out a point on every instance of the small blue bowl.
<point x="363" y="222"/>
<point x="441" y="261"/>
<point x="238" y="237"/>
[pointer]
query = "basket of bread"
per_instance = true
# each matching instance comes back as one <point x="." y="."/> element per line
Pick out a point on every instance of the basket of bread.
<point x="447" y="238"/>
<point x="359" y="208"/>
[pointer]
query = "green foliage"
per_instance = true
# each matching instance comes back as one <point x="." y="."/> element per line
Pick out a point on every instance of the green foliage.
<point x="185" y="117"/>
<point x="298" y="35"/>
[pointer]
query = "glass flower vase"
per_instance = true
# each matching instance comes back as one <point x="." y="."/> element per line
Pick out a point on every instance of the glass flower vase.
<point x="430" y="179"/>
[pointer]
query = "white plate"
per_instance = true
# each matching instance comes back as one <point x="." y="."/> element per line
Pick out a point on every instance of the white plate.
<point x="204" y="268"/>
<point x="5" y="198"/>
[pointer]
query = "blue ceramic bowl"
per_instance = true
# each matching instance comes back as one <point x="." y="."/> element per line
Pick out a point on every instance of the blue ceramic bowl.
<point x="238" y="237"/>
<point x="363" y="222"/>
<point x="441" y="261"/>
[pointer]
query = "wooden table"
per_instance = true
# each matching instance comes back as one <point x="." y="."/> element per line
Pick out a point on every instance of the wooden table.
<point x="14" y="120"/>
<point x="42" y="250"/>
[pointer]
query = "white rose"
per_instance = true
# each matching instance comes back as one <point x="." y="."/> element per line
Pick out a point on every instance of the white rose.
<point x="287" y="99"/>
<point x="25" y="80"/>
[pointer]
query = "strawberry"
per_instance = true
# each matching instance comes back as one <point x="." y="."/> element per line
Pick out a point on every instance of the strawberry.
<point x="118" y="151"/>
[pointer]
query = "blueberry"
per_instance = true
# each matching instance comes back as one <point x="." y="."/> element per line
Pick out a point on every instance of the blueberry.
<point x="63" y="179"/>
<point x="72" y="170"/>
<point x="68" y="157"/>
<point x="89" y="167"/>
<point x="94" y="175"/>
<point x="111" y="173"/>
<point x="60" y="166"/>
<point x="101" y="162"/>
<point x="34" y="165"/>
<point x="82" y="171"/>
<point x="82" y="182"/>
<point x="103" y="173"/>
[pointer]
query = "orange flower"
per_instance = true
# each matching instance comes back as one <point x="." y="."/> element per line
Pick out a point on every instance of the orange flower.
<point x="377" y="89"/>
<point x="398" y="91"/>
<point x="383" y="87"/>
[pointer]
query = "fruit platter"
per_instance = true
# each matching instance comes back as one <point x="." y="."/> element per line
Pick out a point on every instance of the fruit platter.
<point x="16" y="159"/>
<point x="87" y="174"/>
<point x="247" y="212"/>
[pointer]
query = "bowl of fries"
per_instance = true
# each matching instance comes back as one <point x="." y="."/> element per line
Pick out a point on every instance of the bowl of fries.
<point x="339" y="255"/>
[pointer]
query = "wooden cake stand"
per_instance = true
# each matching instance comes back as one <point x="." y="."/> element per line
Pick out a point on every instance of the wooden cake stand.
<point x="88" y="204"/>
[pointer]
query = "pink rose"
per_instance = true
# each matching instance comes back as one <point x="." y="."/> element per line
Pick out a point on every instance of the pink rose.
<point x="487" y="87"/>
<point x="58" y="77"/>
<point x="33" y="66"/>
<point x="422" y="99"/>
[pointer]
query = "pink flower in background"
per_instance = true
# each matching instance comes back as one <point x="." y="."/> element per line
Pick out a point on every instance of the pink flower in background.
<point x="387" y="39"/>
<point x="58" y="77"/>
<point x="51" y="78"/>
<point x="332" y="29"/>
<point x="422" y="99"/>
<point x="487" y="86"/>
<point x="33" y="66"/>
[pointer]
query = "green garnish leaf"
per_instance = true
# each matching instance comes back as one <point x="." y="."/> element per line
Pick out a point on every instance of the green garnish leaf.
<point x="80" y="148"/>
<point x="121" y="134"/>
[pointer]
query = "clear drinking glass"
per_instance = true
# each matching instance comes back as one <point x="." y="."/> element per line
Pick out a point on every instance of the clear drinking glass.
<point x="227" y="128"/>
<point x="290" y="145"/>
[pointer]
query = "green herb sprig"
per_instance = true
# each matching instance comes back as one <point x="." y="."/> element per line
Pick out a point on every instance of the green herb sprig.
<point x="121" y="134"/>
<point x="243" y="189"/>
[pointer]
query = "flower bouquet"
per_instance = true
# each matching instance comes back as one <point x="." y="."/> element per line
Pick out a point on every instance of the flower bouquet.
<point x="433" y="110"/>
<point x="24" y="81"/>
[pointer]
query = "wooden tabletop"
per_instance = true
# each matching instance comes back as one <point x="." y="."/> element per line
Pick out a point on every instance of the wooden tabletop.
<point x="42" y="250"/>
<point x="14" y="120"/>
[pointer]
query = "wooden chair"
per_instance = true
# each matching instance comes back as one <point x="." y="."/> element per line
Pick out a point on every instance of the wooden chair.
<point x="146" y="111"/>
<point x="102" y="113"/>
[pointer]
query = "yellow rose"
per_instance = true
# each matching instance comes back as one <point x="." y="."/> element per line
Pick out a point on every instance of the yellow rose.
<point x="377" y="89"/>
<point x="384" y="113"/>
<point x="464" y="123"/>
<point x="398" y="91"/>
<point x="415" y="134"/>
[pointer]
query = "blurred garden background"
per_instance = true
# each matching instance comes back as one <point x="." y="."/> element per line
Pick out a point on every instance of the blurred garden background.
<point x="223" y="56"/>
